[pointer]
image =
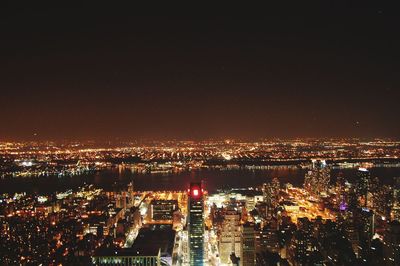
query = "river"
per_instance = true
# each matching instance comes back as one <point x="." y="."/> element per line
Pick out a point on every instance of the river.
<point x="213" y="179"/>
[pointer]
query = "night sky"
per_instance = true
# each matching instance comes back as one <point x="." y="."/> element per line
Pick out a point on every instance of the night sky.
<point x="106" y="72"/>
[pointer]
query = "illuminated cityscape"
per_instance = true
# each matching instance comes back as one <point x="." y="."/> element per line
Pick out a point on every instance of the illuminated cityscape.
<point x="38" y="159"/>
<point x="194" y="135"/>
<point x="339" y="212"/>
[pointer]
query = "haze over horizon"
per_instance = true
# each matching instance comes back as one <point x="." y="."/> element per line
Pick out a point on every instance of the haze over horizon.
<point x="107" y="73"/>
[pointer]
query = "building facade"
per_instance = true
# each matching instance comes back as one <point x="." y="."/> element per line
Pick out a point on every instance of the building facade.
<point x="196" y="224"/>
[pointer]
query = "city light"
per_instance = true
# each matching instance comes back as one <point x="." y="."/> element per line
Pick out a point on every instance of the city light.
<point x="249" y="137"/>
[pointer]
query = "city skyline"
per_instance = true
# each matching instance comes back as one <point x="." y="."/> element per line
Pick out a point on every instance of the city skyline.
<point x="222" y="202"/>
<point x="239" y="135"/>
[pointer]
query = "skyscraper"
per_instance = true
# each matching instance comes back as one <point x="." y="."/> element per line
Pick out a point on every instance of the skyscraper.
<point x="316" y="180"/>
<point x="396" y="200"/>
<point x="271" y="196"/>
<point x="392" y="243"/>
<point x="248" y="245"/>
<point x="131" y="194"/>
<point x="196" y="224"/>
<point x="363" y="185"/>
<point x="230" y="236"/>
<point x="340" y="188"/>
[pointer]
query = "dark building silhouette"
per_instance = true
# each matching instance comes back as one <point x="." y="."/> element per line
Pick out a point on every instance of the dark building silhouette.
<point x="196" y="224"/>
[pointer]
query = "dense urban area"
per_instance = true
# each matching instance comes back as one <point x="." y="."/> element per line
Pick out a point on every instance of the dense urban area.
<point x="328" y="220"/>
<point x="27" y="159"/>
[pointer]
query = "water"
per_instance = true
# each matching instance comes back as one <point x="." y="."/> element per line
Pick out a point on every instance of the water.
<point x="214" y="179"/>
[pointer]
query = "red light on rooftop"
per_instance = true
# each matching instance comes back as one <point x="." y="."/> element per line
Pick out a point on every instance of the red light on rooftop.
<point x="195" y="190"/>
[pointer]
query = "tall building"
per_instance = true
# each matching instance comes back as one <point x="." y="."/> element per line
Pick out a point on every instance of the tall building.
<point x="298" y="248"/>
<point x="365" y="224"/>
<point x="353" y="203"/>
<point x="230" y="237"/>
<point x="340" y="187"/>
<point x="196" y="224"/>
<point x="396" y="200"/>
<point x="271" y="196"/>
<point x="248" y="245"/>
<point x="131" y="194"/>
<point x="268" y="239"/>
<point x="316" y="180"/>
<point x="383" y="200"/>
<point x="392" y="243"/>
<point x="351" y="232"/>
<point x="363" y="184"/>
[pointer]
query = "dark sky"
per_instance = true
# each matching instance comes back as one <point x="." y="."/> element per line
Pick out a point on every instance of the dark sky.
<point x="104" y="72"/>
